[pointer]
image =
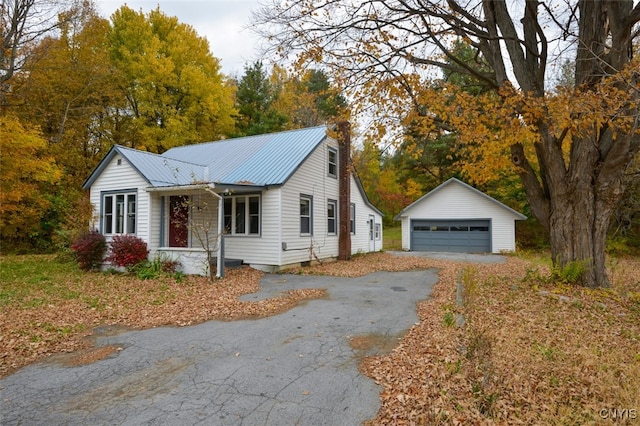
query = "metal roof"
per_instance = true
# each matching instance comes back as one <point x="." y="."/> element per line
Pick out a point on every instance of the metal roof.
<point x="260" y="160"/>
<point x="163" y="171"/>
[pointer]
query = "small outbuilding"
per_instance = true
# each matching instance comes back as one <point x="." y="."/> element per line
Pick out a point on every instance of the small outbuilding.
<point x="455" y="217"/>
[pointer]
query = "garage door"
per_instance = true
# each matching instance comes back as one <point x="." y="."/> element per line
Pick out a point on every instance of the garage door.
<point x="463" y="236"/>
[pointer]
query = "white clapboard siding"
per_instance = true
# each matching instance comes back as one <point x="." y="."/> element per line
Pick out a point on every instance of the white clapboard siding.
<point x="117" y="176"/>
<point x="260" y="249"/>
<point x="279" y="242"/>
<point x="361" y="241"/>
<point x="310" y="179"/>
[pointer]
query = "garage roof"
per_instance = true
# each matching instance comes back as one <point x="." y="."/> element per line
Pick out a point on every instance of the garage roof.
<point x="454" y="181"/>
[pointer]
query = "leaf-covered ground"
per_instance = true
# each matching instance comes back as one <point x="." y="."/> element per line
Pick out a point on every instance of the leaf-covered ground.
<point x="531" y="351"/>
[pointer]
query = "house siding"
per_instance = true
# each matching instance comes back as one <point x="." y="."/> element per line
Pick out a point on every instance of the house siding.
<point x="259" y="249"/>
<point x="310" y="179"/>
<point x="360" y="241"/>
<point x="111" y="179"/>
<point x="457" y="202"/>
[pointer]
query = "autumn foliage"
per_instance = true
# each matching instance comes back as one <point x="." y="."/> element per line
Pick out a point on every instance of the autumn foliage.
<point x="28" y="175"/>
<point x="89" y="249"/>
<point x="127" y="251"/>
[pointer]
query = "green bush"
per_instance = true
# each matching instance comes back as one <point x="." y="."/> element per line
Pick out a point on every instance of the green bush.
<point x="89" y="250"/>
<point x="127" y="251"/>
<point x="160" y="265"/>
<point x="571" y="272"/>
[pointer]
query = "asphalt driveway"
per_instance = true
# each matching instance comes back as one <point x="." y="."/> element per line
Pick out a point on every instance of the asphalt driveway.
<point x="296" y="368"/>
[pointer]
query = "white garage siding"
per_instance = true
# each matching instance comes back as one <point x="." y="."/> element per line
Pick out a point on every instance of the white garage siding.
<point x="455" y="200"/>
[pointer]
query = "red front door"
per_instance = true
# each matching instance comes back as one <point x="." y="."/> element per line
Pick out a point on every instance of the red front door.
<point x="178" y="221"/>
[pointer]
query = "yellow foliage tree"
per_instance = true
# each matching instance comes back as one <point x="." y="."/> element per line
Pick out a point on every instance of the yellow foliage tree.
<point x="27" y="170"/>
<point x="174" y="91"/>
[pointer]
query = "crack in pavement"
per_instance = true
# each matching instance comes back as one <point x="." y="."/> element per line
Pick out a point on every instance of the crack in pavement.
<point x="298" y="367"/>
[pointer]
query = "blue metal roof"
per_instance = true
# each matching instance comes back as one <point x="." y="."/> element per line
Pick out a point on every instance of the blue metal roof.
<point x="162" y="171"/>
<point x="278" y="158"/>
<point x="260" y="160"/>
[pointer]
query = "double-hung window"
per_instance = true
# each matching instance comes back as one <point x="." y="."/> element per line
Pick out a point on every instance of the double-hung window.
<point x="306" y="217"/>
<point x="119" y="213"/>
<point x="332" y="219"/>
<point x="333" y="162"/>
<point x="242" y="215"/>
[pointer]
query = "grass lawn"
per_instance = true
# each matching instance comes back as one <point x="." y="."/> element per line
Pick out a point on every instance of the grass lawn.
<point x="392" y="237"/>
<point x="532" y="350"/>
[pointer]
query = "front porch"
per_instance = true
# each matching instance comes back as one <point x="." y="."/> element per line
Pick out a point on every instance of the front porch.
<point x="194" y="220"/>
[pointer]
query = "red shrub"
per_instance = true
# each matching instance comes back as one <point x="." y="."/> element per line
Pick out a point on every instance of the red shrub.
<point x="90" y="249"/>
<point x="127" y="251"/>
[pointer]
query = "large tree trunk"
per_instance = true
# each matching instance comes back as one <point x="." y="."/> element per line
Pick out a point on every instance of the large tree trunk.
<point x="578" y="236"/>
<point x="575" y="201"/>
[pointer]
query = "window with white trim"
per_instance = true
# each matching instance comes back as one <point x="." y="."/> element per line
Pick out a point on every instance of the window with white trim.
<point x="333" y="162"/>
<point x="306" y="215"/>
<point x="119" y="213"/>
<point x="378" y="229"/>
<point x="332" y="217"/>
<point x="242" y="215"/>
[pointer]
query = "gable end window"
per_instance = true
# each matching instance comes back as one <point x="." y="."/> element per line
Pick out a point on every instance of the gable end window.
<point x="119" y="213"/>
<point x="333" y="163"/>
<point x="332" y="217"/>
<point x="306" y="215"/>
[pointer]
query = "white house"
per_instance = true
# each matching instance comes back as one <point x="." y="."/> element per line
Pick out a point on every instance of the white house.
<point x="276" y="196"/>
<point x="455" y="217"/>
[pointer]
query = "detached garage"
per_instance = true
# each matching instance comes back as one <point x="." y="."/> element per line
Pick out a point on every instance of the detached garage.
<point x="456" y="217"/>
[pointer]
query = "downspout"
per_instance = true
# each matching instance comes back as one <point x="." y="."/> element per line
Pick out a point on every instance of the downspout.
<point x="220" y="242"/>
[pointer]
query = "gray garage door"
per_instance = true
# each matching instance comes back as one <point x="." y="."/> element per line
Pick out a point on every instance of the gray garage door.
<point x="463" y="236"/>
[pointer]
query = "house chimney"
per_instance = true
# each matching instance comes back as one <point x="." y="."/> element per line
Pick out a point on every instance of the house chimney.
<point x="344" y="198"/>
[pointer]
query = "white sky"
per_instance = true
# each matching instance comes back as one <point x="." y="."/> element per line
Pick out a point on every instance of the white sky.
<point x="223" y="22"/>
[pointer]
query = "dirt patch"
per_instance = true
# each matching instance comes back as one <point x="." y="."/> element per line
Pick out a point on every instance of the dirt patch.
<point x="373" y="344"/>
<point x="88" y="352"/>
<point x="86" y="356"/>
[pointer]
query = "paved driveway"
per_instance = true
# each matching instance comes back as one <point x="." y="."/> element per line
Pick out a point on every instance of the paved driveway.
<point x="300" y="367"/>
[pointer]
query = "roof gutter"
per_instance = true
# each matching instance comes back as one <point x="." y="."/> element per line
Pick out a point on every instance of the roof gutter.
<point x="214" y="186"/>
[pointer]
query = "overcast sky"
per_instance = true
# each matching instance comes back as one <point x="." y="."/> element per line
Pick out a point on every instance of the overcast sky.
<point x="223" y="22"/>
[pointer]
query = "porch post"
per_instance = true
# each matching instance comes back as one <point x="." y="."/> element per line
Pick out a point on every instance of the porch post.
<point x="220" y="266"/>
<point x="220" y="248"/>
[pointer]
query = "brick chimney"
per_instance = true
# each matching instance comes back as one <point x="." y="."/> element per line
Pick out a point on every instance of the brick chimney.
<point x="344" y="182"/>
